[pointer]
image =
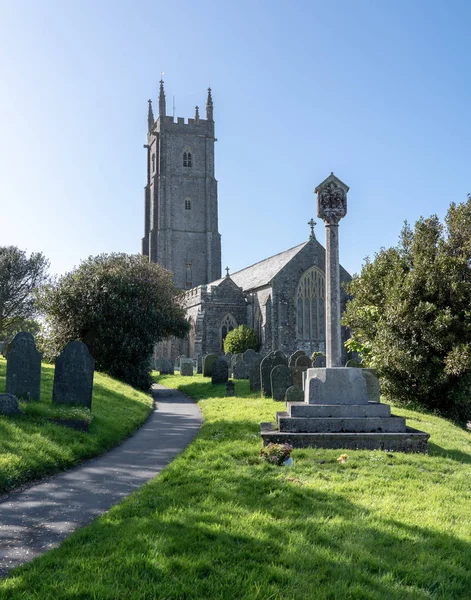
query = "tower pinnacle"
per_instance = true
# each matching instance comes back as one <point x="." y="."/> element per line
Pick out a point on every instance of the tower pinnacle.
<point x="209" y="106"/>
<point x="162" y="107"/>
<point x="197" y="114"/>
<point x="150" y="116"/>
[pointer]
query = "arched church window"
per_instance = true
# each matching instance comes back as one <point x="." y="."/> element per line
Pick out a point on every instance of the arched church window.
<point x="187" y="204"/>
<point x="189" y="276"/>
<point x="227" y="324"/>
<point x="310" y="306"/>
<point x="187" y="159"/>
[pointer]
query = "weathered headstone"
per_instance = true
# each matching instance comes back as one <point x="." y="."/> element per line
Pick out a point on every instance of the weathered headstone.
<point x="303" y="361"/>
<point x="281" y="380"/>
<point x="294" y="394"/>
<point x="73" y="376"/>
<point x="208" y="361"/>
<point x="372" y="384"/>
<point x="319" y="362"/>
<point x="297" y="375"/>
<point x="186" y="367"/>
<point x="157" y="364"/>
<point x="9" y="405"/>
<point x="230" y="388"/>
<point x="266" y="366"/>
<point x="250" y="355"/>
<point x="167" y="366"/>
<point x="254" y="377"/>
<point x="294" y="356"/>
<point x="241" y="370"/>
<point x="219" y="372"/>
<point x="23" y="368"/>
<point x="199" y="364"/>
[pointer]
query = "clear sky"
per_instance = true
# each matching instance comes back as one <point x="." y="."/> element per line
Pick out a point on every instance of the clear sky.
<point x="377" y="91"/>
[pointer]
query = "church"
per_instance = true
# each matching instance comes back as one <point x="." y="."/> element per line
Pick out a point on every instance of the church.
<point x="282" y="297"/>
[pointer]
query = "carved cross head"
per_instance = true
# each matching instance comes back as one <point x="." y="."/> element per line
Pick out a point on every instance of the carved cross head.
<point x="331" y="200"/>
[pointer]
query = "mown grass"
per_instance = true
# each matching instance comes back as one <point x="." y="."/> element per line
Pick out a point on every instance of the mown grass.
<point x="31" y="447"/>
<point x="219" y="524"/>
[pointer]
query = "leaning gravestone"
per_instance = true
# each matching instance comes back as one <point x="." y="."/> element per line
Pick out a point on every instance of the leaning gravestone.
<point x="208" y="362"/>
<point x="186" y="367"/>
<point x="266" y="366"/>
<point x="24" y="368"/>
<point x="167" y="366"/>
<point x="294" y="394"/>
<point x="303" y="361"/>
<point x="219" y="372"/>
<point x="241" y="370"/>
<point x="9" y="405"/>
<point x="281" y="380"/>
<point x="73" y="376"/>
<point x="294" y="356"/>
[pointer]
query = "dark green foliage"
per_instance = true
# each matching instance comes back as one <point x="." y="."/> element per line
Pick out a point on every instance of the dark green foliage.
<point x="19" y="277"/>
<point x="241" y="339"/>
<point x="410" y="315"/>
<point x="119" y="305"/>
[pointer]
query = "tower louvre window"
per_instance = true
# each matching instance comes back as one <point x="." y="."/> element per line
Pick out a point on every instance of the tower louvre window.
<point x="187" y="204"/>
<point x="187" y="160"/>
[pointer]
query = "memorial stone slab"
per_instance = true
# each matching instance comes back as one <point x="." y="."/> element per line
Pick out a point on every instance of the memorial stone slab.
<point x="303" y="361"/>
<point x="241" y="370"/>
<point x="219" y="372"/>
<point x="294" y="394"/>
<point x="23" y="368"/>
<point x="73" y="376"/>
<point x="9" y="405"/>
<point x="186" y="367"/>
<point x="281" y="380"/>
<point x="167" y="367"/>
<point x="294" y="356"/>
<point x="266" y="366"/>
<point x="254" y="377"/>
<point x="208" y="361"/>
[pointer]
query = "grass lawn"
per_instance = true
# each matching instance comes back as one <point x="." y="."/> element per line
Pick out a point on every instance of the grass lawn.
<point x="218" y="523"/>
<point x="31" y="447"/>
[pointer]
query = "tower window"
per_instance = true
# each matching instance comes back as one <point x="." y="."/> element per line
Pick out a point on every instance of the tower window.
<point x="187" y="160"/>
<point x="187" y="204"/>
<point x="153" y="163"/>
<point x="189" y="276"/>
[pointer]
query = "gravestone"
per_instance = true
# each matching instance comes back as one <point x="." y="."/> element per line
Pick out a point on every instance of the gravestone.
<point x="238" y="357"/>
<point x="303" y="361"/>
<point x="254" y="377"/>
<point x="266" y="366"/>
<point x="157" y="364"/>
<point x="208" y="361"/>
<point x="9" y="405"/>
<point x="73" y="376"/>
<point x="294" y="394"/>
<point x="280" y="354"/>
<point x="297" y="375"/>
<point x="23" y="368"/>
<point x="219" y="372"/>
<point x="241" y="370"/>
<point x="250" y="355"/>
<point x="6" y="345"/>
<point x="230" y="388"/>
<point x="199" y="364"/>
<point x="186" y="367"/>
<point x="319" y="362"/>
<point x="281" y="380"/>
<point x="294" y="356"/>
<point x="353" y="362"/>
<point x="372" y="384"/>
<point x="167" y="367"/>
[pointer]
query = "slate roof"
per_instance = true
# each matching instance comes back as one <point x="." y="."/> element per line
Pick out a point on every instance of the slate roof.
<point x="262" y="273"/>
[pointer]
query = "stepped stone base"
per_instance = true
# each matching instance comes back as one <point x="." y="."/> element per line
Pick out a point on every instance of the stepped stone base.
<point x="315" y="411"/>
<point x="412" y="440"/>
<point x="390" y="424"/>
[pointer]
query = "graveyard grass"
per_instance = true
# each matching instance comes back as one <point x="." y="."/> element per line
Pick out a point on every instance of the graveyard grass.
<point x="31" y="447"/>
<point x="219" y="523"/>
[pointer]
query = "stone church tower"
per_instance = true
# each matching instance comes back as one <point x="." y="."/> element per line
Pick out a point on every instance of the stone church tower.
<point x="181" y="205"/>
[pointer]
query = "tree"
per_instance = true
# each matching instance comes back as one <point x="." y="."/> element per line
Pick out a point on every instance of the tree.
<point x="241" y="339"/>
<point x="120" y="306"/>
<point x="410" y="314"/>
<point x="19" y="278"/>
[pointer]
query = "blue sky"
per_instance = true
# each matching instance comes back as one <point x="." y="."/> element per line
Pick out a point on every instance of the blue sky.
<point x="376" y="91"/>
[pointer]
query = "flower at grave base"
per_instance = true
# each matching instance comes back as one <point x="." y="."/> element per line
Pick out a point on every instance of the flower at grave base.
<point x="342" y="458"/>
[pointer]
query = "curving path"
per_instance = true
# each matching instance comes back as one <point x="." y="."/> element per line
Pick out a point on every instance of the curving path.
<point x="38" y="518"/>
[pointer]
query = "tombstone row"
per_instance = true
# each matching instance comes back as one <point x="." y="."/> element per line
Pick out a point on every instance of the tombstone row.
<point x="73" y="374"/>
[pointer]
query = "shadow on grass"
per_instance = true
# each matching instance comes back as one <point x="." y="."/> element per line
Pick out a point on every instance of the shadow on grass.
<point x="457" y="455"/>
<point x="248" y="536"/>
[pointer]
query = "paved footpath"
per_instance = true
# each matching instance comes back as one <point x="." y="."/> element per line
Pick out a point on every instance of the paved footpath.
<point x="38" y="518"/>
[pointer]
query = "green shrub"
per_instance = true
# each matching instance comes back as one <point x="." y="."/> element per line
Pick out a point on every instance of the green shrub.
<point x="241" y="339"/>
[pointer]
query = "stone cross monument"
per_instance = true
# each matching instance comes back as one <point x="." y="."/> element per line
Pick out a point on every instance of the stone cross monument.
<point x="331" y="207"/>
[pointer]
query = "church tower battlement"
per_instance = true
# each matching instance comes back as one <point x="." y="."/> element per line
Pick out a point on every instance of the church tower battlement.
<point x="181" y="205"/>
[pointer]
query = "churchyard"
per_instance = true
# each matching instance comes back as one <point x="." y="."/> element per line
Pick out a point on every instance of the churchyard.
<point x="221" y="523"/>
